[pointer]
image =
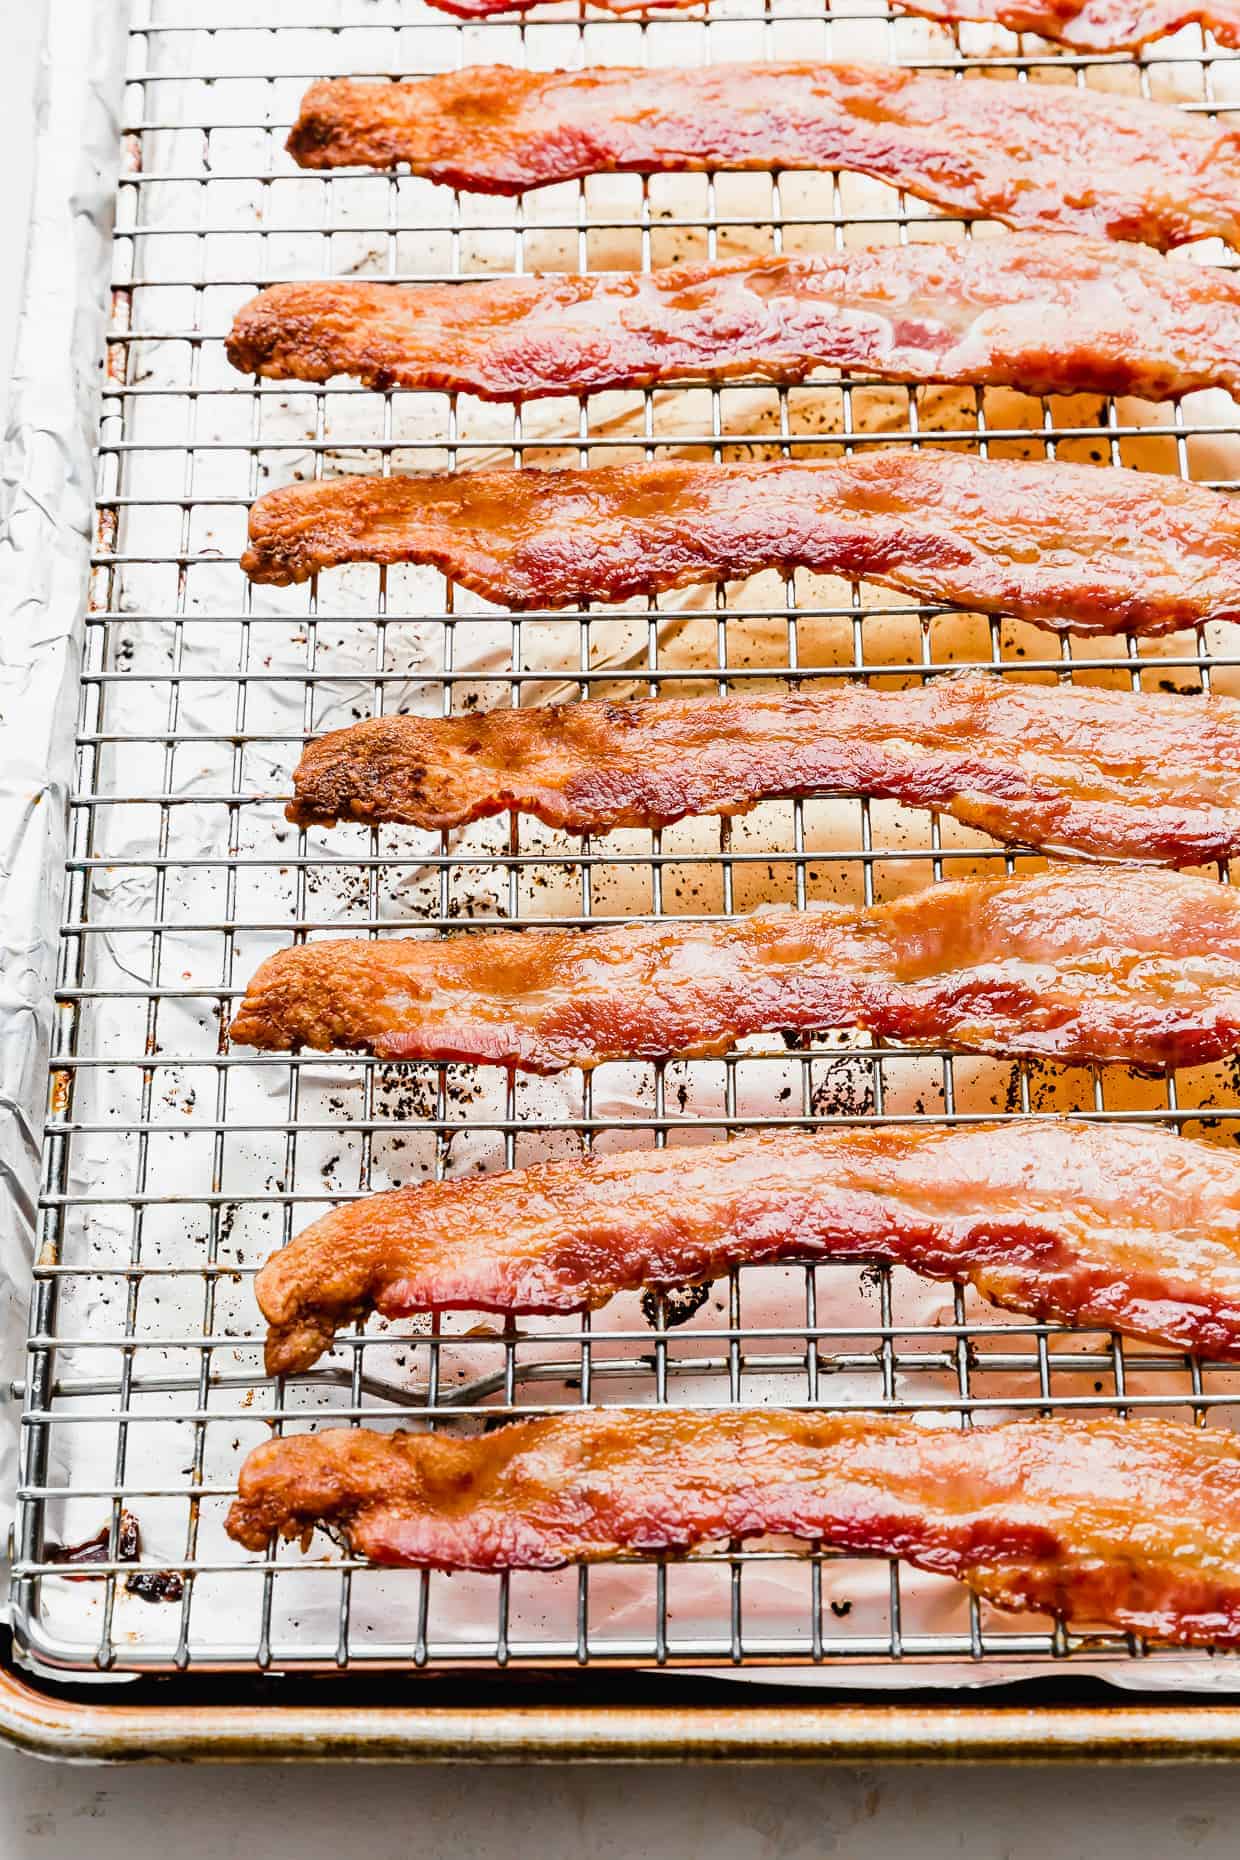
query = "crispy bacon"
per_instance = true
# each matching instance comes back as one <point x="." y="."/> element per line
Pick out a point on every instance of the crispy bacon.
<point x="1132" y="1524"/>
<point x="1079" y="963"/>
<point x="1113" y="774"/>
<point x="1040" y="1217"/>
<point x="1076" y="547"/>
<point x="1085" y="25"/>
<point x="1045" y="156"/>
<point x="1052" y="315"/>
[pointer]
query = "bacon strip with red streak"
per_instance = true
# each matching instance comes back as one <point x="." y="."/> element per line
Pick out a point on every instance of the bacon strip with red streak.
<point x="1084" y="25"/>
<point x="1132" y="1524"/>
<point x="1084" y="963"/>
<point x="1079" y="548"/>
<point x="1049" y="314"/>
<point x="1113" y="774"/>
<point x="1041" y="1217"/>
<point x="1043" y="156"/>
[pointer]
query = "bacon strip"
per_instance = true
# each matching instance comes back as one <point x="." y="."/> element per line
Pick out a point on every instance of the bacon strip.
<point x="1133" y="1524"/>
<point x="1052" y="315"/>
<point x="1045" y="156"/>
<point x="1076" y="547"/>
<point x="1080" y="964"/>
<point x="1112" y="774"/>
<point x="1084" y="25"/>
<point x="1040" y="1217"/>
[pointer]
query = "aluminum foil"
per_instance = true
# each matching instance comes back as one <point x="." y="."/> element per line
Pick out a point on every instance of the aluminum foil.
<point x="46" y="526"/>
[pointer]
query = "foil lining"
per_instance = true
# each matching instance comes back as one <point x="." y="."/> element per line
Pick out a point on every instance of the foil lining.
<point x="47" y="521"/>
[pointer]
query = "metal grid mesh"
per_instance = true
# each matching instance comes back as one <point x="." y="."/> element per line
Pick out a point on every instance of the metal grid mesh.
<point x="175" y="1165"/>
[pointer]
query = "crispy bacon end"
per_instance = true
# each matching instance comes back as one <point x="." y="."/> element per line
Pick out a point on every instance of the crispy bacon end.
<point x="1127" y="1524"/>
<point x="1081" y="963"/>
<point x="1075" y="547"/>
<point x="1049" y="314"/>
<point x="1112" y="774"/>
<point x="1048" y="157"/>
<point x="1041" y="1217"/>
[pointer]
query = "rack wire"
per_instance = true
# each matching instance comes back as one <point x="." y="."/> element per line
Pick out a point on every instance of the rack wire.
<point x="174" y="1164"/>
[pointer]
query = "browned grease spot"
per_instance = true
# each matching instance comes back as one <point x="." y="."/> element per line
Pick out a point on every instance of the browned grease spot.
<point x="149" y="1585"/>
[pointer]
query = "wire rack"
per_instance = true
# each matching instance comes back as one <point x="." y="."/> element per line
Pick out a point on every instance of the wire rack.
<point x="174" y="1165"/>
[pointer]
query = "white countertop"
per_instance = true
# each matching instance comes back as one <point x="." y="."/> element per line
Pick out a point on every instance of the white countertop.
<point x="762" y="1814"/>
<point x="858" y="1814"/>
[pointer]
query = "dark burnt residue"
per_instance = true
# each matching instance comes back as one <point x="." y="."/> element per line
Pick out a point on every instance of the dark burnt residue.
<point x="95" y="1549"/>
<point x="664" y="1307"/>
<point x="149" y="1585"/>
<point x="155" y="1585"/>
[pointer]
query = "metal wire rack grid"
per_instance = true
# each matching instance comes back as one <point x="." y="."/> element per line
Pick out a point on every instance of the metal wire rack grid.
<point x="174" y="1164"/>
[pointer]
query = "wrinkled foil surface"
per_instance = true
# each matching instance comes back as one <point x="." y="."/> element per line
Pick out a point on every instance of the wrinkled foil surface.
<point x="46" y="526"/>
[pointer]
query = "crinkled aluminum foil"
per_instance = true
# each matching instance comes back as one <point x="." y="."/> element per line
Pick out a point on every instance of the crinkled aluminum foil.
<point x="46" y="526"/>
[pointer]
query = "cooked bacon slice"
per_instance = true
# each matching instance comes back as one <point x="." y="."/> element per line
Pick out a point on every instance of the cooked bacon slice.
<point x="1076" y="547"/>
<point x="1085" y="25"/>
<point x="1052" y="315"/>
<point x="1113" y="774"/>
<point x="1079" y="963"/>
<point x="1040" y="1217"/>
<point x="1045" y="156"/>
<point x="1132" y="1524"/>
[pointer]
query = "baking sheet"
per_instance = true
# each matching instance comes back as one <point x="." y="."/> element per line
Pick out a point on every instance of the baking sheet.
<point x="197" y="694"/>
